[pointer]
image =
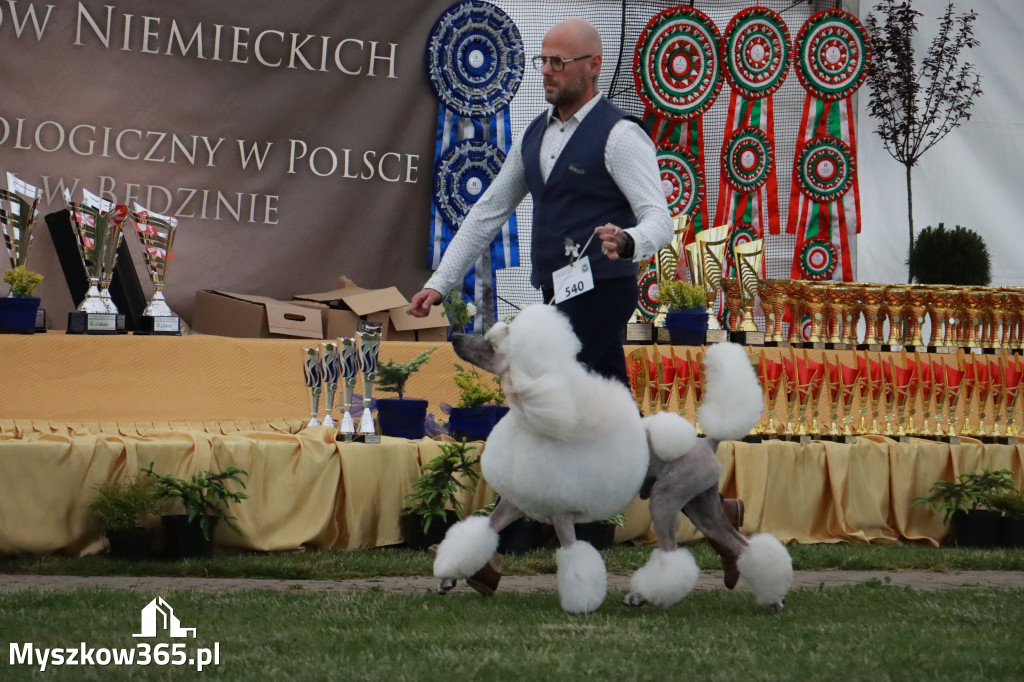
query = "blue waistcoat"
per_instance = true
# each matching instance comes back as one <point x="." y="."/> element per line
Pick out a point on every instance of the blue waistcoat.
<point x="578" y="196"/>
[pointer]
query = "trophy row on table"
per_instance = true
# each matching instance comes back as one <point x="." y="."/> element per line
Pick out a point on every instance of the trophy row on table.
<point x="989" y="318"/>
<point x="338" y="363"/>
<point x="97" y="236"/>
<point x="875" y="394"/>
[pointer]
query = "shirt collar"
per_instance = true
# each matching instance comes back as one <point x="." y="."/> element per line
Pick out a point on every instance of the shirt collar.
<point x="579" y="115"/>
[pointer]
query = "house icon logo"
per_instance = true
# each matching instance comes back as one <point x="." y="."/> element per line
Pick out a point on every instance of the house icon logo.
<point x="158" y="615"/>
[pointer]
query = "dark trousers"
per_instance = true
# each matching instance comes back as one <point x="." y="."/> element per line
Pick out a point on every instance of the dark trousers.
<point x="599" y="319"/>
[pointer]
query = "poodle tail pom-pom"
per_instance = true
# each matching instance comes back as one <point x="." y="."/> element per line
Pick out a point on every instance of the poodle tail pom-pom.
<point x="466" y="548"/>
<point x="582" y="579"/>
<point x="666" y="578"/>
<point x="670" y="435"/>
<point x="767" y="567"/>
<point x="733" y="401"/>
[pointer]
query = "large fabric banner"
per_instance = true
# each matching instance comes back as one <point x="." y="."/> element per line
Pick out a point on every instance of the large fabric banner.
<point x="293" y="142"/>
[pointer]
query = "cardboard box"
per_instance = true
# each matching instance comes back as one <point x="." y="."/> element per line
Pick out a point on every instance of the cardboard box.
<point x="344" y="306"/>
<point x="245" y="316"/>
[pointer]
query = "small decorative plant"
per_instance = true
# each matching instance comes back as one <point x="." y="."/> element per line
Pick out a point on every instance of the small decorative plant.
<point x="23" y="282"/>
<point x="473" y="392"/>
<point x="454" y="471"/>
<point x="970" y="490"/>
<point x="123" y="505"/>
<point x="680" y="295"/>
<point x="460" y="314"/>
<point x="204" y="497"/>
<point x="392" y="376"/>
<point x="1009" y="502"/>
<point x="958" y="256"/>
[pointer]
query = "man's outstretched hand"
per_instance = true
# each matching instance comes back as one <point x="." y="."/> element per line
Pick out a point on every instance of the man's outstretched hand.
<point x="422" y="302"/>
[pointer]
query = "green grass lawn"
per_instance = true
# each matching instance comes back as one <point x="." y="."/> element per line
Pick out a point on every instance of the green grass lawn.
<point x="867" y="632"/>
<point x="335" y="565"/>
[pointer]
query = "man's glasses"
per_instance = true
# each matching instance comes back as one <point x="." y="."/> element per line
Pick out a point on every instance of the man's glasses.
<point x="557" y="63"/>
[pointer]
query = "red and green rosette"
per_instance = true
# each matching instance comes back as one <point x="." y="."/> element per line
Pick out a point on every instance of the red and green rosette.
<point x="833" y="54"/>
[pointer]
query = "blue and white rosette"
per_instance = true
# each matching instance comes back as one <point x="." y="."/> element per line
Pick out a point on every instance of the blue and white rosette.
<point x="475" y="62"/>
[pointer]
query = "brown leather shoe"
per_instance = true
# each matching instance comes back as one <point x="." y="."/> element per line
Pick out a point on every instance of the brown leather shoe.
<point x="729" y="567"/>
<point x="485" y="581"/>
<point x="734" y="511"/>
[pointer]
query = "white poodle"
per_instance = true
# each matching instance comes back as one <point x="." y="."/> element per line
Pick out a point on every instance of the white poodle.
<point x="573" y="448"/>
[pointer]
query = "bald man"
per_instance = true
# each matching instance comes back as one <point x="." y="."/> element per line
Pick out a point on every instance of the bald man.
<point x="592" y="171"/>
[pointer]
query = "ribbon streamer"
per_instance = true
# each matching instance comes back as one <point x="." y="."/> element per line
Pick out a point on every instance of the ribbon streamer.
<point x="475" y="61"/>
<point x="833" y="55"/>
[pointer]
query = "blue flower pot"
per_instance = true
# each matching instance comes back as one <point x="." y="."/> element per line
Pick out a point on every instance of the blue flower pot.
<point x="402" y="417"/>
<point x="474" y="423"/>
<point x="688" y="327"/>
<point x="18" y="314"/>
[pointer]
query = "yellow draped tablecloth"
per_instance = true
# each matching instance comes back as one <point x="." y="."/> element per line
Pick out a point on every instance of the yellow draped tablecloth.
<point x="308" y="490"/>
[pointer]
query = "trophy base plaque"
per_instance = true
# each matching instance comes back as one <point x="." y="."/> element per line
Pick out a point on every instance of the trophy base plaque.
<point x="942" y="350"/>
<point x="874" y="347"/>
<point x="716" y="336"/>
<point x="837" y="346"/>
<point x="163" y="325"/>
<point x="811" y="345"/>
<point x="95" y="323"/>
<point x="368" y="438"/>
<point x="747" y="338"/>
<point x="753" y="438"/>
<point x="777" y="344"/>
<point x="639" y="333"/>
<point x="663" y="335"/>
<point x="40" y="321"/>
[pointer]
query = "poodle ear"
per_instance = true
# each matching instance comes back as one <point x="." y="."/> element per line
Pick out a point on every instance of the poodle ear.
<point x="545" y="403"/>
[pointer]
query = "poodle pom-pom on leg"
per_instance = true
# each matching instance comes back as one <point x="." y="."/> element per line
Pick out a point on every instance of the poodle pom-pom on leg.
<point x="664" y="580"/>
<point x="767" y="567"/>
<point x="582" y="579"/>
<point x="466" y="548"/>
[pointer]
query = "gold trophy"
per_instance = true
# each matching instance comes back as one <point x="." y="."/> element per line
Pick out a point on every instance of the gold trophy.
<point x="369" y="347"/>
<point x="770" y="374"/>
<point x="954" y="380"/>
<point x="814" y="295"/>
<point x="916" y="307"/>
<point x="967" y="391"/>
<point x="773" y="299"/>
<point x="157" y="237"/>
<point x="313" y="372"/>
<point x="749" y="259"/>
<point x="18" y="222"/>
<point x="711" y="245"/>
<point x="870" y="296"/>
<point x="795" y="301"/>
<point x="733" y="305"/>
<point x="349" y="373"/>
<point x="332" y="372"/>
<point x="1013" y="374"/>
<point x="97" y="236"/>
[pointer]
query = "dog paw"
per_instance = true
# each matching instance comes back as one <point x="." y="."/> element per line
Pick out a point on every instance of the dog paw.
<point x="634" y="599"/>
<point x="445" y="586"/>
<point x="776" y="608"/>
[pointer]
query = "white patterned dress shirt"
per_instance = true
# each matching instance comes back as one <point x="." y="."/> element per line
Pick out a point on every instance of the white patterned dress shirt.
<point x="630" y="159"/>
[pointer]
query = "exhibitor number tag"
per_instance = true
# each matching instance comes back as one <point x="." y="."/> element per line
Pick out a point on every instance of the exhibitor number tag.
<point x="573" y="280"/>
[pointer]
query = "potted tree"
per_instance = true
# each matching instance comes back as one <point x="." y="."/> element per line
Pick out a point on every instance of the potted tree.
<point x="480" y="406"/>
<point x="1010" y="503"/>
<point x="204" y="499"/>
<point x="18" y="310"/>
<point x="434" y="506"/>
<point x="958" y="256"/>
<point x="966" y="505"/>
<point x="120" y="511"/>
<point x="401" y="417"/>
<point x="687" y="317"/>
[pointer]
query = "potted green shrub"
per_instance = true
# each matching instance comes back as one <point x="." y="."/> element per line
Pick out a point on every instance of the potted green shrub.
<point x="401" y="417"/>
<point x="1010" y="503"/>
<point x="687" y="317"/>
<point x="120" y="511"/>
<point x="18" y="309"/>
<point x="480" y="407"/>
<point x="433" y="506"/>
<point x="204" y="500"/>
<point x="958" y="256"/>
<point x="966" y="505"/>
